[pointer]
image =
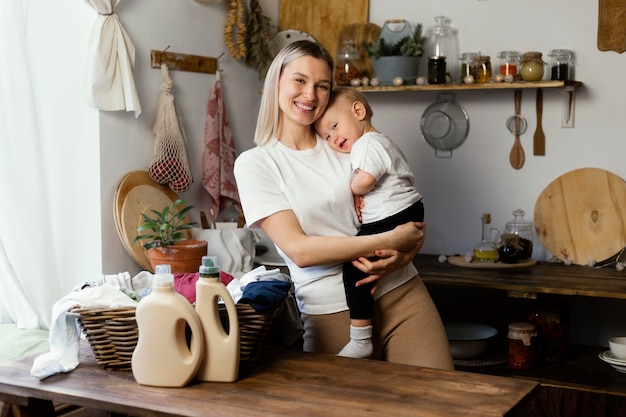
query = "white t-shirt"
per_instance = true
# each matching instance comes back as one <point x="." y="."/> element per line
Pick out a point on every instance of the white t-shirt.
<point x="315" y="185"/>
<point x="377" y="155"/>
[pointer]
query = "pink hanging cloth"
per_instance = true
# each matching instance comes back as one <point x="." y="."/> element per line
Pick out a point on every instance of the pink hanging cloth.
<point x="219" y="153"/>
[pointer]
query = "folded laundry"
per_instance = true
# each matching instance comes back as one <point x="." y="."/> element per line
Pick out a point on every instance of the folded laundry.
<point x="265" y="296"/>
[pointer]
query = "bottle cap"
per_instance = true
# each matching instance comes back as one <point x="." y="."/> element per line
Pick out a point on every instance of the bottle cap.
<point x="209" y="265"/>
<point x="163" y="275"/>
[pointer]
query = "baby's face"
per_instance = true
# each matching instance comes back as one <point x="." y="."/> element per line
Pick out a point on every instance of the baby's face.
<point x="339" y="126"/>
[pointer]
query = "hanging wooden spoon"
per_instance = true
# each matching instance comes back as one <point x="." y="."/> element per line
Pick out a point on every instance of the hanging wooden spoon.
<point x="517" y="157"/>
<point x="539" y="140"/>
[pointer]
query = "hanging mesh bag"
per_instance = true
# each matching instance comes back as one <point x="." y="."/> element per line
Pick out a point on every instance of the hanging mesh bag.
<point x="170" y="161"/>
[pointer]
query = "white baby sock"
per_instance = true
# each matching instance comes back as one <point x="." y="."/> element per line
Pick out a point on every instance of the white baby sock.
<point x="360" y="345"/>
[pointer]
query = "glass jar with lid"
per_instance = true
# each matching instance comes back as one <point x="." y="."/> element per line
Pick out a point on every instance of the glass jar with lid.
<point x="482" y="69"/>
<point x="348" y="64"/>
<point x="532" y="66"/>
<point x="467" y="62"/>
<point x="522" y="338"/>
<point x="509" y="63"/>
<point x="562" y="64"/>
<point x="524" y="229"/>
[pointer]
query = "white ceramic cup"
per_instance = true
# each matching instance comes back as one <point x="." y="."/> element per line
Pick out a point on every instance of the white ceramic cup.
<point x="618" y="347"/>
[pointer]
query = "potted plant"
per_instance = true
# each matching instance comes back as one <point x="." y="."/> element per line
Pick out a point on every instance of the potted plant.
<point x="400" y="58"/>
<point x="168" y="241"/>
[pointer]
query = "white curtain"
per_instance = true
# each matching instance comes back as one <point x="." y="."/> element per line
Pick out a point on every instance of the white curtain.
<point x="109" y="78"/>
<point x="29" y="282"/>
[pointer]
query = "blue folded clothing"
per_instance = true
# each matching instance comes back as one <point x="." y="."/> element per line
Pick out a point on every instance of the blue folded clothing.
<point x="265" y="296"/>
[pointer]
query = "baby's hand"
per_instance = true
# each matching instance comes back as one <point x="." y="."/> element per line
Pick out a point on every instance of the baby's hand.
<point x="358" y="205"/>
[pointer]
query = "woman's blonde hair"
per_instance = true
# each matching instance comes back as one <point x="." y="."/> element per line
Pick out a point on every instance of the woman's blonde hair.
<point x="267" y="122"/>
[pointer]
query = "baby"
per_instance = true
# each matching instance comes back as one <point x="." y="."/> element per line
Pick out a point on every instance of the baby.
<point x="382" y="176"/>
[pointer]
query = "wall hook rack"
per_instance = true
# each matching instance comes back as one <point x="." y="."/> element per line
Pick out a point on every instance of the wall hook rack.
<point x="183" y="62"/>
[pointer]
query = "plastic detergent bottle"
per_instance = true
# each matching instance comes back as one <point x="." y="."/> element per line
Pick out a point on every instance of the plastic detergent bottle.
<point x="162" y="356"/>
<point x="221" y="361"/>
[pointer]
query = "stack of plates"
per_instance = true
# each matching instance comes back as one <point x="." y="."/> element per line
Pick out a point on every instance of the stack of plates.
<point x="138" y="193"/>
<point x="616" y="363"/>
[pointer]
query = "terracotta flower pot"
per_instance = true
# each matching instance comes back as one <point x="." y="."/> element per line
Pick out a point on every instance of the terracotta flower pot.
<point x="184" y="256"/>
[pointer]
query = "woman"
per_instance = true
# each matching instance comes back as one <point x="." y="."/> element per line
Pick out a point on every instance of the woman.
<point x="297" y="189"/>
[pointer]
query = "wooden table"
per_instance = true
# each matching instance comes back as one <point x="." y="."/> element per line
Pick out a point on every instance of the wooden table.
<point x="282" y="383"/>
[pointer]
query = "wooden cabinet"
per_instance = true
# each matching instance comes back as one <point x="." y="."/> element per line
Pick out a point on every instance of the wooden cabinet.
<point x="581" y="385"/>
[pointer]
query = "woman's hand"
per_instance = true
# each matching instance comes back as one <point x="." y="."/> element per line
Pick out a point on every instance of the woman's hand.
<point x="393" y="259"/>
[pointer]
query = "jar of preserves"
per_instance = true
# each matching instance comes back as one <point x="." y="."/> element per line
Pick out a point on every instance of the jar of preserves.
<point x="522" y="346"/>
<point x="467" y="61"/>
<point x="482" y="69"/>
<point x="532" y="66"/>
<point x="552" y="321"/>
<point x="562" y="64"/>
<point x="348" y="64"/>
<point x="509" y="63"/>
<point x="437" y="70"/>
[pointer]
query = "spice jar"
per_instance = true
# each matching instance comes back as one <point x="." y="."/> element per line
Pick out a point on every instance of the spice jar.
<point x="509" y="63"/>
<point x="532" y="66"/>
<point x="467" y="61"/>
<point x="348" y="64"/>
<point x="482" y="69"/>
<point x="562" y="65"/>
<point x="437" y="70"/>
<point x="522" y="346"/>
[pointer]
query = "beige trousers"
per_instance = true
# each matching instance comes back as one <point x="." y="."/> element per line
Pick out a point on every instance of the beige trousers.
<point x="407" y="329"/>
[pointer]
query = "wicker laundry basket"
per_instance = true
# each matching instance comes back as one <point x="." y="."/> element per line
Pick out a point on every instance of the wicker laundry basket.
<point x="112" y="333"/>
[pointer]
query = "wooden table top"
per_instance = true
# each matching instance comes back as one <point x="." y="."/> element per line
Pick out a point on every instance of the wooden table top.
<point x="542" y="278"/>
<point x="282" y="383"/>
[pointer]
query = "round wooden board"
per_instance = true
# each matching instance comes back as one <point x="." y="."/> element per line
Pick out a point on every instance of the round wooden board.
<point x="138" y="193"/>
<point x="581" y="216"/>
<point x="460" y="261"/>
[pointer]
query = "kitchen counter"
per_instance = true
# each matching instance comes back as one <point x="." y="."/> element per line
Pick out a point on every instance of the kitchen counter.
<point x="544" y="277"/>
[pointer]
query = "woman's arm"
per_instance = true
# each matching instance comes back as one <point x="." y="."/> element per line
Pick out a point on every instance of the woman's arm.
<point x="284" y="229"/>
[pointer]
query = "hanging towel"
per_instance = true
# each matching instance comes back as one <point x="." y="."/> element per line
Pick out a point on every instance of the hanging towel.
<point x="218" y="156"/>
<point x="109" y="78"/>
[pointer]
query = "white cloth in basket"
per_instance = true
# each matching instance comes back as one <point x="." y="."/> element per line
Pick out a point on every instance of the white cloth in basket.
<point x="65" y="332"/>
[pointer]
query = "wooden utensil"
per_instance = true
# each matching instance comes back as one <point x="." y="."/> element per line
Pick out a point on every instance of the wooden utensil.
<point x="539" y="139"/>
<point x="322" y="19"/>
<point x="581" y="216"/>
<point x="611" y="21"/>
<point x="517" y="156"/>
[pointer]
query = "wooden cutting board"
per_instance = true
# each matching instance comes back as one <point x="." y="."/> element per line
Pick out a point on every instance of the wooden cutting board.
<point x="581" y="216"/>
<point x="322" y="19"/>
<point x="135" y="194"/>
<point x="612" y="25"/>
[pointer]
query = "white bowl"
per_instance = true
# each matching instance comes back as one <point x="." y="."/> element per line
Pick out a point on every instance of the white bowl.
<point x="618" y="347"/>
<point x="469" y="340"/>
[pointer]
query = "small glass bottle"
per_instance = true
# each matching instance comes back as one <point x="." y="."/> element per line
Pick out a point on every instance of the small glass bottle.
<point x="486" y="250"/>
<point x="532" y="66"/>
<point x="522" y="346"/>
<point x="509" y="63"/>
<point x="348" y="64"/>
<point x="520" y="227"/>
<point x="482" y="69"/>
<point x="562" y="65"/>
<point x="437" y="70"/>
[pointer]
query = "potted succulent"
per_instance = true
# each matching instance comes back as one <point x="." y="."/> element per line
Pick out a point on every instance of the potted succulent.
<point x="398" y="59"/>
<point x="168" y="241"/>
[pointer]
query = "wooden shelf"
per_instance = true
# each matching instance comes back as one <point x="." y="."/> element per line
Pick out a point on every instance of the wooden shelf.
<point x="544" y="278"/>
<point x="581" y="370"/>
<point x="472" y="87"/>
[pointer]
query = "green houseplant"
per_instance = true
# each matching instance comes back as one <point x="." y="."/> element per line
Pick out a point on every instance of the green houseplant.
<point x="399" y="59"/>
<point x="167" y="240"/>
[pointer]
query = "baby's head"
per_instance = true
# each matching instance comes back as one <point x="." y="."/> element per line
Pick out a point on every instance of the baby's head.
<point x="347" y="117"/>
